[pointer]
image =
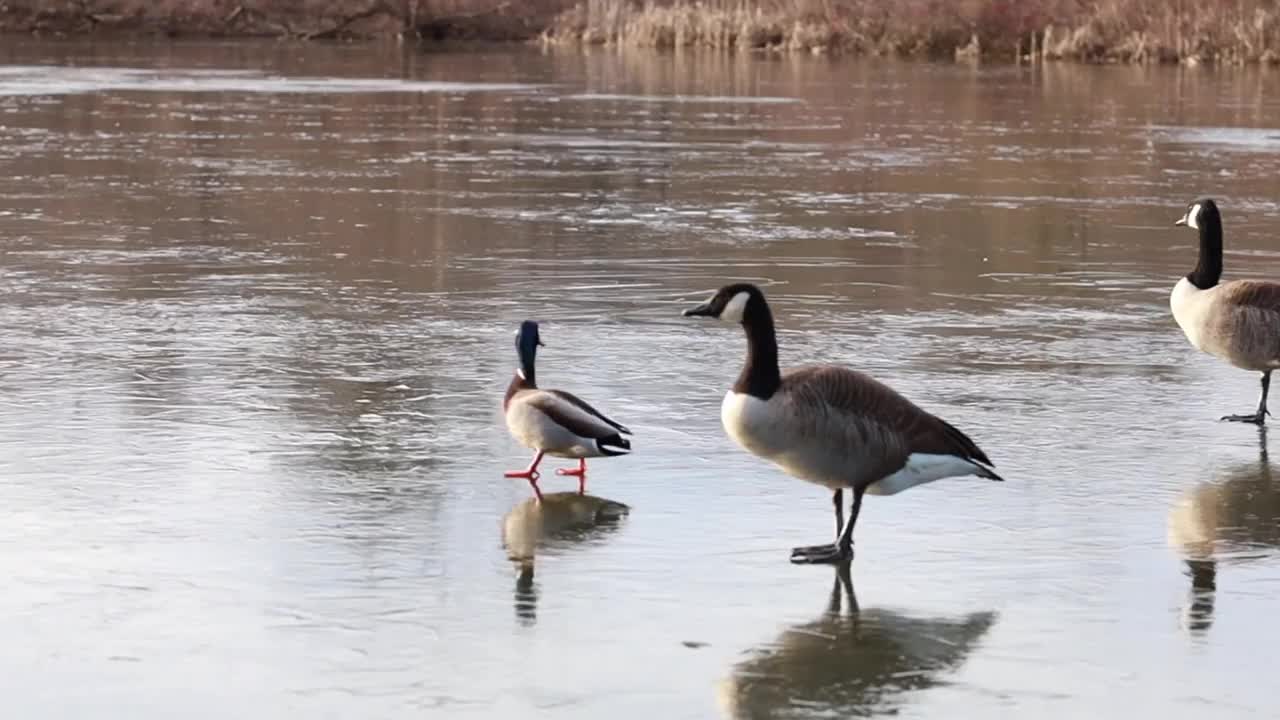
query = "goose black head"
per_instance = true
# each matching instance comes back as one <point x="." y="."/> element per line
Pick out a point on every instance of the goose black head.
<point x="732" y="304"/>
<point x="527" y="343"/>
<point x="1200" y="213"/>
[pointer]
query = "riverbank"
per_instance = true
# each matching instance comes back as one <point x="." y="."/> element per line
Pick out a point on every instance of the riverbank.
<point x="425" y="20"/>
<point x="1130" y="31"/>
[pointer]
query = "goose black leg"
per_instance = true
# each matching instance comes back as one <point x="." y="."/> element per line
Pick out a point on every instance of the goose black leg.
<point x="837" y="499"/>
<point x="841" y="551"/>
<point x="1259" y="417"/>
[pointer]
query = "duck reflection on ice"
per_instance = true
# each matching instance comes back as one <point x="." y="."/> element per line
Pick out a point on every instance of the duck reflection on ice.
<point x="849" y="664"/>
<point x="561" y="520"/>
<point x="1233" y="518"/>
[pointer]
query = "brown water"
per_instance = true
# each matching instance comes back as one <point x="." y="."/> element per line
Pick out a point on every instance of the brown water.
<point x="257" y="304"/>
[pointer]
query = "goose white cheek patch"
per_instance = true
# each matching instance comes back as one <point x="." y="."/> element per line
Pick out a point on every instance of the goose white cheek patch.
<point x="734" y="309"/>
<point x="1193" y="217"/>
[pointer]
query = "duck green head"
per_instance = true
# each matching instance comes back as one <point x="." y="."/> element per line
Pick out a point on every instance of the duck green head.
<point x="527" y="342"/>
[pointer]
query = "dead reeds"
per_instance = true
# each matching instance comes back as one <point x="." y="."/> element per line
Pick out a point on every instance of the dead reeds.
<point x="1133" y="31"/>
<point x="1235" y="31"/>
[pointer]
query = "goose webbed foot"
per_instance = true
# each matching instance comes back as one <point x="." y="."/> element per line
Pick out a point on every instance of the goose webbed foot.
<point x="829" y="554"/>
<point x="1257" y="418"/>
<point x="840" y="551"/>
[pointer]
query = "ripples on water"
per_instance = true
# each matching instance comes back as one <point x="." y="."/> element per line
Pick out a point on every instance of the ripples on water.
<point x="258" y="304"/>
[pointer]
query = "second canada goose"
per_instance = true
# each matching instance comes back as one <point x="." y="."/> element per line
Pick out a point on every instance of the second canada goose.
<point x="554" y="422"/>
<point x="830" y="425"/>
<point x="1238" y="321"/>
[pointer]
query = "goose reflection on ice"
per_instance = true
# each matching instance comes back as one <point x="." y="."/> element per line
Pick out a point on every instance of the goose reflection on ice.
<point x="561" y="520"/>
<point x="1233" y="518"/>
<point x="849" y="664"/>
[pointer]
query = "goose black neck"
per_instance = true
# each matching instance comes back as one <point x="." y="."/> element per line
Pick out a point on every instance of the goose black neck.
<point x="760" y="376"/>
<point x="1209" y="269"/>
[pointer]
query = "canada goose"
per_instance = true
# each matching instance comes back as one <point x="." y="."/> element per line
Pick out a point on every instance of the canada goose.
<point x="855" y="663"/>
<point x="554" y="422"/>
<point x="830" y="425"/>
<point x="1238" y="321"/>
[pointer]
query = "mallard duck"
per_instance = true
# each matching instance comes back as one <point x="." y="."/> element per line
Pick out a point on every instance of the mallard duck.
<point x="555" y="422"/>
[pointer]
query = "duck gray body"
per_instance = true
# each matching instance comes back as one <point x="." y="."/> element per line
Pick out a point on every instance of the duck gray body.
<point x="560" y="424"/>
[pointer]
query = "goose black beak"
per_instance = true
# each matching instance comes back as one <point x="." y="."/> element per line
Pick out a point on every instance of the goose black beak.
<point x="703" y="310"/>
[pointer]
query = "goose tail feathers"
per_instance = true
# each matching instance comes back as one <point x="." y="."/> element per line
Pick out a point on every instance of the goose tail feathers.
<point x="987" y="472"/>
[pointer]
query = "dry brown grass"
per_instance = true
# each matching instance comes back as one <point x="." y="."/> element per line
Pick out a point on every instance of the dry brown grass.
<point x="1230" y="31"/>
<point x="908" y="27"/>
<point x="307" y="19"/>
<point x="1224" y="31"/>
<point x="1227" y="31"/>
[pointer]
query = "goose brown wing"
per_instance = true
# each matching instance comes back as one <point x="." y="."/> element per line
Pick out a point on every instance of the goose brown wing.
<point x="847" y="406"/>
<point x="1244" y="323"/>
<point x="1254" y="294"/>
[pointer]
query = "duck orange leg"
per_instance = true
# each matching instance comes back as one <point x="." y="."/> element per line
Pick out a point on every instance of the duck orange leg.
<point x="580" y="473"/>
<point x="530" y="473"/>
